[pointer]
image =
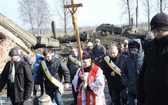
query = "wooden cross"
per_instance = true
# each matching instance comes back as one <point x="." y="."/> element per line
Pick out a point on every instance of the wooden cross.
<point x="75" y="25"/>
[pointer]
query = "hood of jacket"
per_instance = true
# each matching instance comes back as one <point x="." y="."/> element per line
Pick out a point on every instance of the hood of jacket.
<point x="39" y="56"/>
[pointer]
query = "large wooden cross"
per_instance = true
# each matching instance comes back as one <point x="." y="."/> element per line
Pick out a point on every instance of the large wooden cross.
<point x="75" y="25"/>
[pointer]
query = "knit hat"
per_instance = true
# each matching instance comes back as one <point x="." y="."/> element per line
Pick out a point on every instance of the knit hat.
<point x="134" y="45"/>
<point x="13" y="52"/>
<point x="97" y="40"/>
<point x="149" y="36"/>
<point x="89" y="44"/>
<point x="17" y="47"/>
<point x="86" y="55"/>
<point x="159" y="21"/>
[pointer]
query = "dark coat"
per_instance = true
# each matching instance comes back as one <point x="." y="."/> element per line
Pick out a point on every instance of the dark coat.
<point x="153" y="78"/>
<point x="27" y="59"/>
<point x="23" y="84"/>
<point x="57" y="69"/>
<point x="72" y="66"/>
<point x="99" y="52"/>
<point x="130" y="69"/>
<point x="116" y="80"/>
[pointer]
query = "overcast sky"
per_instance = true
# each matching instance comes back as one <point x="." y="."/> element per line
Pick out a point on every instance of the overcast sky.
<point x="93" y="12"/>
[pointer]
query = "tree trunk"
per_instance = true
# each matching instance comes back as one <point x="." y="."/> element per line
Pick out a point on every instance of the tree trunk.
<point x="129" y="14"/>
<point x="137" y="14"/>
<point x="161" y="2"/>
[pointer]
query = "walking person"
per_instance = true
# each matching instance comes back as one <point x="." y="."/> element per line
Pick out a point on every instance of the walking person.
<point x="36" y="65"/>
<point x="24" y="57"/>
<point x="73" y="64"/>
<point x="17" y="75"/>
<point x="98" y="52"/>
<point x="130" y="69"/>
<point x="111" y="69"/>
<point x="53" y="70"/>
<point x="153" y="77"/>
<point x="90" y="86"/>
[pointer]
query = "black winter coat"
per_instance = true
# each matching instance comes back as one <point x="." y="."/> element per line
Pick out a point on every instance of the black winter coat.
<point x="23" y="84"/>
<point x="57" y="69"/>
<point x="116" y="80"/>
<point x="153" y="77"/>
<point x="72" y="66"/>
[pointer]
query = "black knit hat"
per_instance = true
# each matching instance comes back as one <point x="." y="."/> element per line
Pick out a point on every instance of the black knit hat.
<point x="13" y="52"/>
<point x="133" y="44"/>
<point x="159" y="21"/>
<point x="86" y="55"/>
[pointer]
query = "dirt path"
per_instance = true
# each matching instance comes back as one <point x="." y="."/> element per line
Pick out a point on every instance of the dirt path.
<point x="67" y="97"/>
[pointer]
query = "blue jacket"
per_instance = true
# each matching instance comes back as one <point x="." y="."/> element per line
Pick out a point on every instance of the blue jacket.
<point x="130" y="68"/>
<point x="36" y="65"/>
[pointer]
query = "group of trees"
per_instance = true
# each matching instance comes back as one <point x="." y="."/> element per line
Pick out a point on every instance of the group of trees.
<point x="131" y="7"/>
<point x="38" y="15"/>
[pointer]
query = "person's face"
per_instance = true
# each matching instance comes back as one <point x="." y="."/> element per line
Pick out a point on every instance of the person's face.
<point x="48" y="57"/>
<point x="90" y="47"/>
<point x="74" y="52"/>
<point x="97" y="43"/>
<point x="14" y="58"/>
<point x="133" y="51"/>
<point x="157" y="33"/>
<point x="113" y="52"/>
<point x="86" y="62"/>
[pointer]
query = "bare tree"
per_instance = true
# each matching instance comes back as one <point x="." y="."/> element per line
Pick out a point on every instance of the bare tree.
<point x="137" y="13"/>
<point x="162" y="5"/>
<point x="148" y="6"/>
<point x="127" y="8"/>
<point x="62" y="12"/>
<point x="36" y="13"/>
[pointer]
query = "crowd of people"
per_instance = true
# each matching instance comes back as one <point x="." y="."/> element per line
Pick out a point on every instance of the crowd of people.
<point x="136" y="72"/>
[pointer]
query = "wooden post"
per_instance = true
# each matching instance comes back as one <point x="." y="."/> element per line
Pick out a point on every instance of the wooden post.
<point x="75" y="25"/>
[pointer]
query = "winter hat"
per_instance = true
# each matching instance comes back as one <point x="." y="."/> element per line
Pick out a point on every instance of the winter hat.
<point x="89" y="44"/>
<point x="159" y="21"/>
<point x="86" y="55"/>
<point x="97" y="40"/>
<point x="125" y="41"/>
<point x="44" y="100"/>
<point x="133" y="45"/>
<point x="149" y="36"/>
<point x="13" y="52"/>
<point x="17" y="47"/>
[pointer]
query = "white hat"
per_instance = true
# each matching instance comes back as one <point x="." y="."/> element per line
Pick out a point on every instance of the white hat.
<point x="89" y="44"/>
<point x="149" y="35"/>
<point x="125" y="41"/>
<point x="97" y="40"/>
